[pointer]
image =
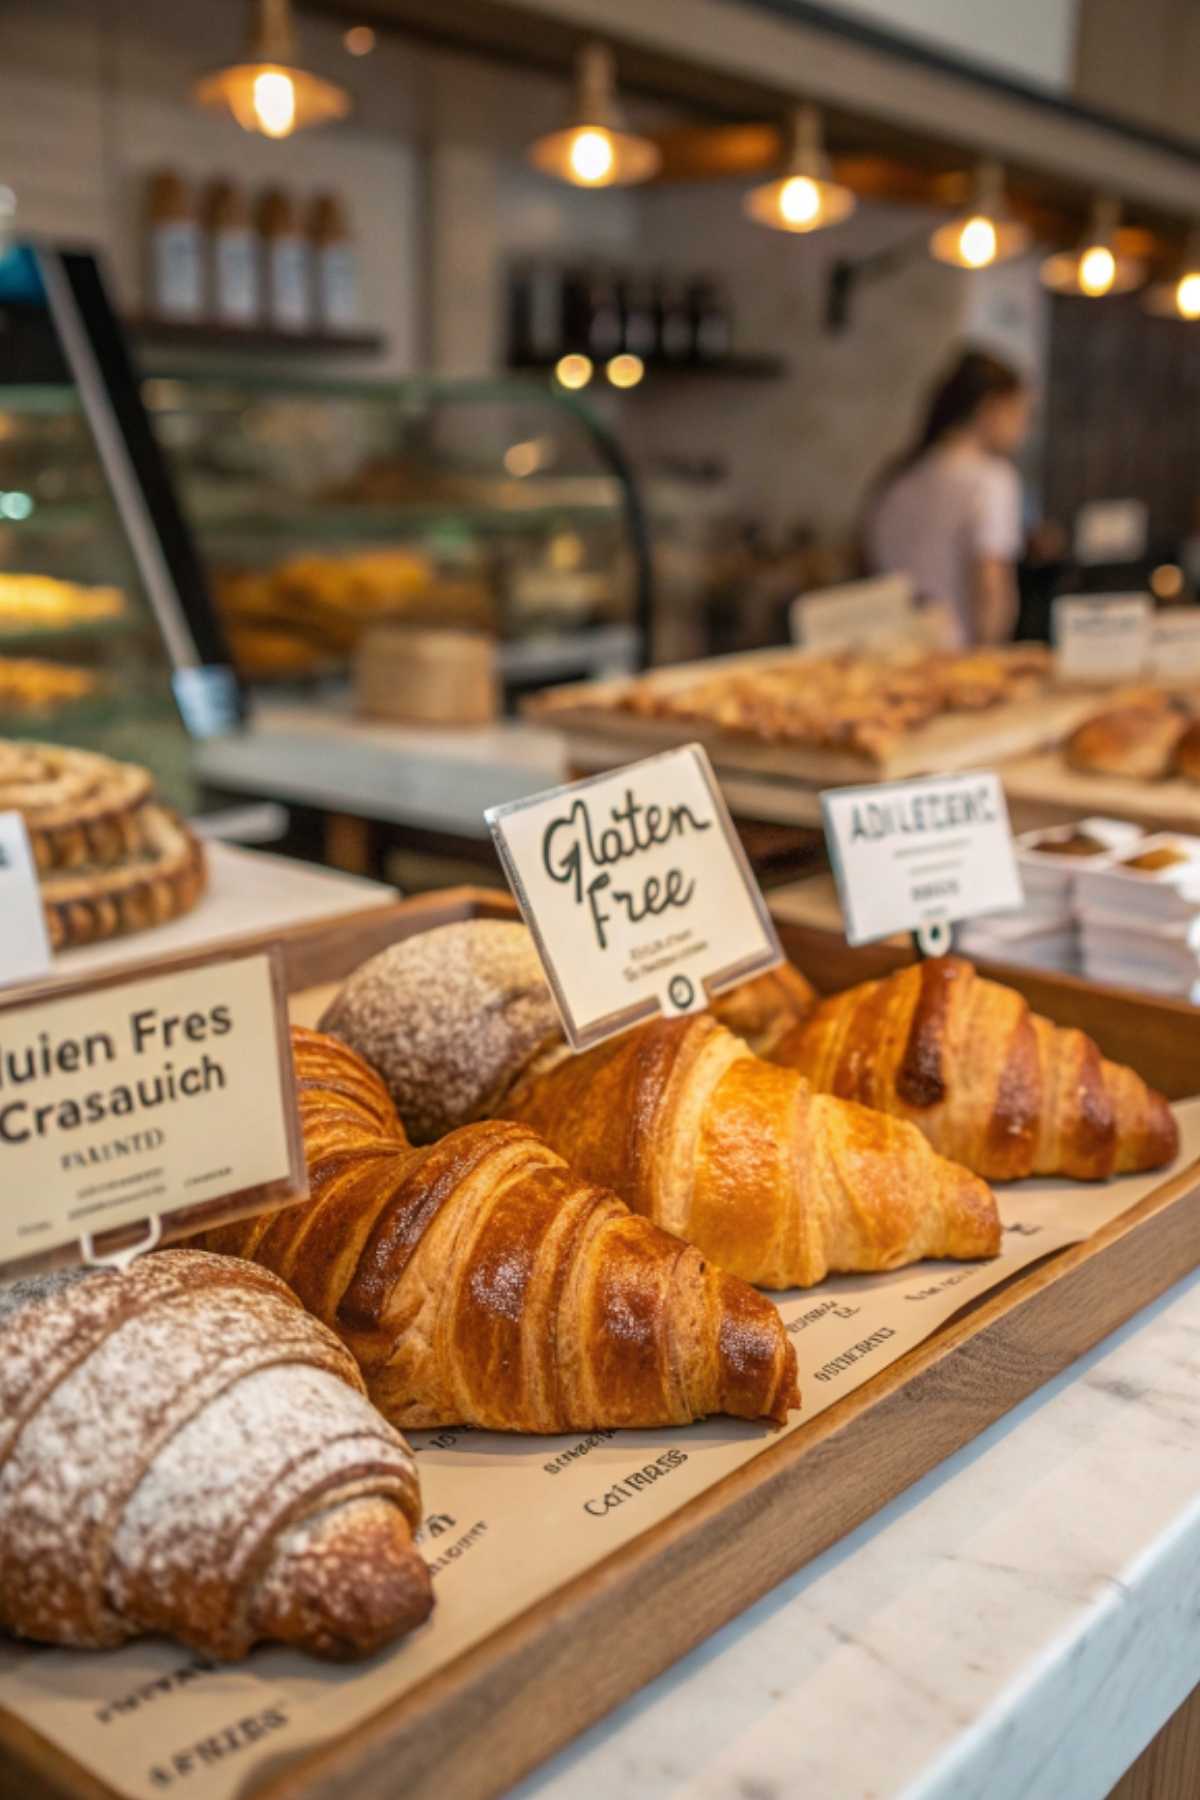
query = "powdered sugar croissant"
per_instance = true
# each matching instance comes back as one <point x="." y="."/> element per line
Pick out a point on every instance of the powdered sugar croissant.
<point x="183" y="1451"/>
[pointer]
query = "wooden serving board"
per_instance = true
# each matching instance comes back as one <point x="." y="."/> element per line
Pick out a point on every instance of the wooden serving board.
<point x="483" y="1720"/>
<point x="781" y="782"/>
<point x="1043" y="791"/>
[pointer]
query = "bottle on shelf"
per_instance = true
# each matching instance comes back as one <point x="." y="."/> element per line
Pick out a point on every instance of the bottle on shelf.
<point x="286" y="263"/>
<point x="673" y="321"/>
<point x="535" y="316"/>
<point x="234" y="288"/>
<point x="174" y="250"/>
<point x="603" y="320"/>
<point x="335" y="265"/>
<point x="639" y="318"/>
<point x="712" y="320"/>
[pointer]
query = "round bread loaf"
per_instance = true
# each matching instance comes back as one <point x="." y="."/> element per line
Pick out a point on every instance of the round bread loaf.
<point x="449" y="1018"/>
<point x="1187" y="753"/>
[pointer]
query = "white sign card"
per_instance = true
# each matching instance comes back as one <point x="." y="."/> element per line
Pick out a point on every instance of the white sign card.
<point x="1175" y="644"/>
<point x="908" y="855"/>
<point x="1111" y="531"/>
<point x="856" y="613"/>
<point x="637" y="891"/>
<point x="139" y="1099"/>
<point x="24" y="945"/>
<point x="1102" y="637"/>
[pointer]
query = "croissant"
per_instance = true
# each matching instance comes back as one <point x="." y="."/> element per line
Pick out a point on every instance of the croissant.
<point x="1138" y="740"/>
<point x="764" y="1010"/>
<point x="779" y="1184"/>
<point x="183" y="1451"/>
<point x="775" y="1183"/>
<point x="989" y="1082"/>
<point x="478" y="1281"/>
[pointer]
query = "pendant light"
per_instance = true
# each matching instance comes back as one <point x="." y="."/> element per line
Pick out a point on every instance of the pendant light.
<point x="803" y="198"/>
<point x="985" y="233"/>
<point x="596" y="149"/>
<point x="1179" y="298"/>
<point x="269" y="92"/>
<point x="1097" y="267"/>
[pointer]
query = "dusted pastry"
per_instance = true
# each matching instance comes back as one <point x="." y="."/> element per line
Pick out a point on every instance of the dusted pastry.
<point x="479" y="1281"/>
<point x="989" y="1082"/>
<point x="184" y="1452"/>
<point x="773" y="1182"/>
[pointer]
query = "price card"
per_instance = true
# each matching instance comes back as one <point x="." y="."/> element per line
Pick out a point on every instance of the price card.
<point x="858" y="612"/>
<point x="138" y="1104"/>
<point x="1111" y="531"/>
<point x="637" y="891"/>
<point x="1175" y="644"/>
<point x="1103" y="638"/>
<point x="24" y="946"/>
<point x="908" y="855"/>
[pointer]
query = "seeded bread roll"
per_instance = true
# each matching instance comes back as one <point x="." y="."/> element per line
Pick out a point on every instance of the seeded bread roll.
<point x="450" y="1019"/>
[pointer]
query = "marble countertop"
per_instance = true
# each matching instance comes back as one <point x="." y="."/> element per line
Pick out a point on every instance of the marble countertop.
<point x="428" y="779"/>
<point x="1017" y="1626"/>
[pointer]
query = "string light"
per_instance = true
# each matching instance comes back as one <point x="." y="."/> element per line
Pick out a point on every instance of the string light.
<point x="803" y="198"/>
<point x="270" y="92"/>
<point x="1179" y="298"/>
<point x="1098" y="266"/>
<point x="596" y="149"/>
<point x="625" y="370"/>
<point x="985" y="233"/>
<point x="574" y="370"/>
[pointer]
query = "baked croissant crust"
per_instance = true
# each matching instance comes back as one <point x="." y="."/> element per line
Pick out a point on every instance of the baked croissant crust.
<point x="762" y="1011"/>
<point x="987" y="1080"/>
<point x="184" y="1451"/>
<point x="779" y="1184"/>
<point x="1138" y="741"/>
<point x="479" y="1281"/>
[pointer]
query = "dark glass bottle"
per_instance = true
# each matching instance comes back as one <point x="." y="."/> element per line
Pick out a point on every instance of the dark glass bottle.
<point x="639" y="317"/>
<point x="673" y="321"/>
<point x="712" y="321"/>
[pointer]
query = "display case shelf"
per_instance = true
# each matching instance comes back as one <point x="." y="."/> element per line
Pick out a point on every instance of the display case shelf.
<point x="258" y="340"/>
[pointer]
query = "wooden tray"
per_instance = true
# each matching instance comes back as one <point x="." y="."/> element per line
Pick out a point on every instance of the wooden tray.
<point x="781" y="782"/>
<point x="482" y="1722"/>
<point x="1043" y="791"/>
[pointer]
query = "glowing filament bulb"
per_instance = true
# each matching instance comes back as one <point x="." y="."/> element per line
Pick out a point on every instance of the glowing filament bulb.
<point x="275" y="102"/>
<point x="592" y="156"/>
<point x="1097" y="270"/>
<point x="977" y="242"/>
<point x="799" y="200"/>
<point x="1187" y="296"/>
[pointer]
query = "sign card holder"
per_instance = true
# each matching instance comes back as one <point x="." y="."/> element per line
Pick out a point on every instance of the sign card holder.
<point x="919" y="856"/>
<point x="637" y="891"/>
<point x="146" y="1103"/>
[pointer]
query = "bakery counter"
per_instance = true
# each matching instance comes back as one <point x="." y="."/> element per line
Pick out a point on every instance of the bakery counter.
<point x="364" y="782"/>
<point x="1017" y="1626"/>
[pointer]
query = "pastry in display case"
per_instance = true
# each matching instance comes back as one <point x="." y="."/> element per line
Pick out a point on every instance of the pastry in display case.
<point x="324" y="508"/>
<point x="109" y="643"/>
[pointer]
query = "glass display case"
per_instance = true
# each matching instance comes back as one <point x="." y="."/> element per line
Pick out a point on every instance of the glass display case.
<point x="323" y="507"/>
<point x="107" y="637"/>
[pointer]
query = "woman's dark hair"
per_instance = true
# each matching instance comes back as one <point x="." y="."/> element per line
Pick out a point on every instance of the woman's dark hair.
<point x="975" y="378"/>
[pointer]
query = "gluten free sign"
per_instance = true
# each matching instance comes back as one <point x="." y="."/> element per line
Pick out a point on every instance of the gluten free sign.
<point x="637" y="891"/>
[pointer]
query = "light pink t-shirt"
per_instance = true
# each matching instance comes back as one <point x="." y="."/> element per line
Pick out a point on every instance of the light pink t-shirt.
<point x="938" y="519"/>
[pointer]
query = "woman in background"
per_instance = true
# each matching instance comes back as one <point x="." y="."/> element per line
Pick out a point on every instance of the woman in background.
<point x="948" y="514"/>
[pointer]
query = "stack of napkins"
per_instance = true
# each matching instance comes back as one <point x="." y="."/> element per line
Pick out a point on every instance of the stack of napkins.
<point x="1044" y="933"/>
<point x="1139" y="916"/>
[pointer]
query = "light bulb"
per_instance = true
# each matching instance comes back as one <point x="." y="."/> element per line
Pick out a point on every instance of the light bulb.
<point x="1097" y="270"/>
<point x="573" y="371"/>
<point x="275" y="103"/>
<point x="799" y="200"/>
<point x="625" y="370"/>
<point x="1187" y="296"/>
<point x="592" y="156"/>
<point x="977" y="242"/>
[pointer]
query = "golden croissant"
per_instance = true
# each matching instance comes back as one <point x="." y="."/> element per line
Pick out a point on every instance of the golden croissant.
<point x="988" y="1081"/>
<point x="779" y="1184"/>
<point x="479" y="1281"/>
<point x="185" y="1453"/>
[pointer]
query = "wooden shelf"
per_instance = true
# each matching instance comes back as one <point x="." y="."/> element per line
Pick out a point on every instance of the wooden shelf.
<point x="183" y="334"/>
<point x="730" y="368"/>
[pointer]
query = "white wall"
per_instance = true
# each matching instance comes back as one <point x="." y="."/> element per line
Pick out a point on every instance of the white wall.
<point x="1030" y="38"/>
